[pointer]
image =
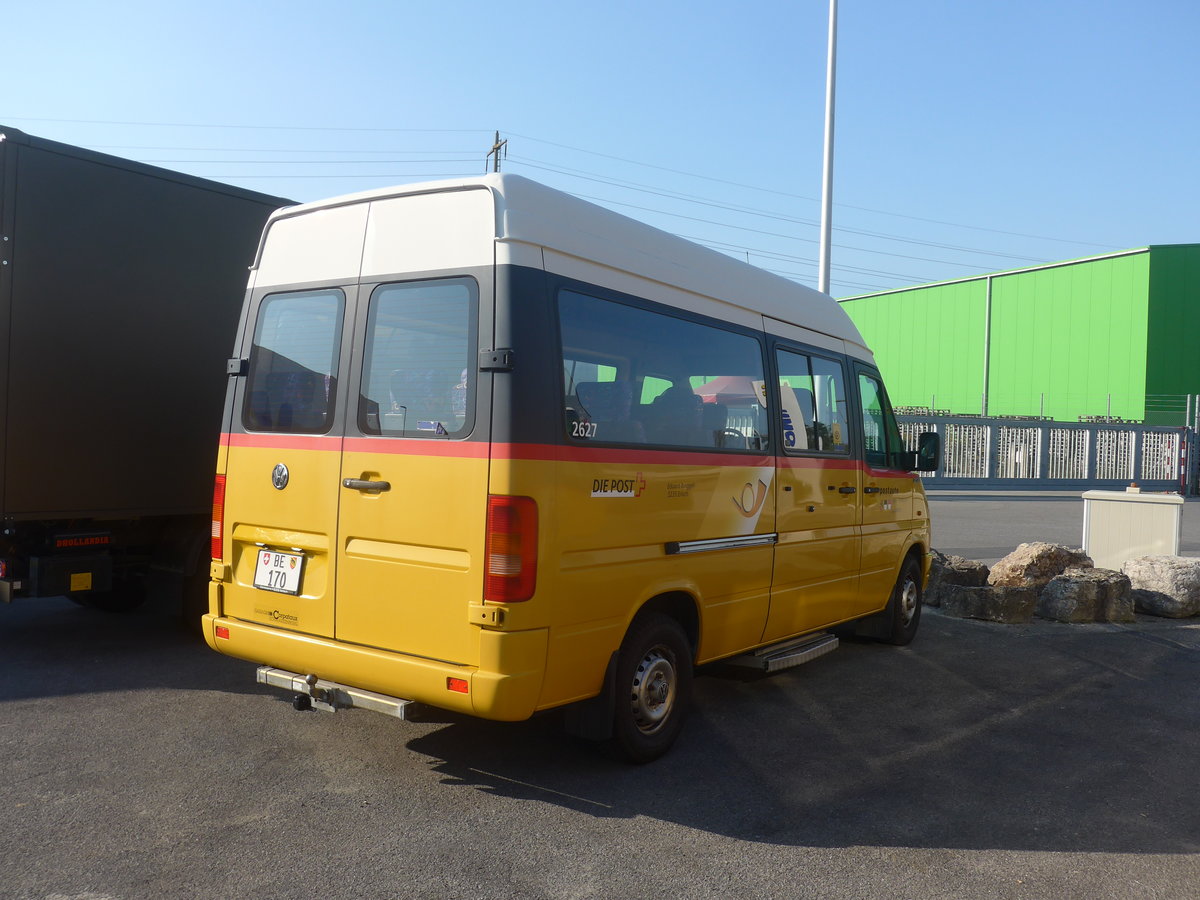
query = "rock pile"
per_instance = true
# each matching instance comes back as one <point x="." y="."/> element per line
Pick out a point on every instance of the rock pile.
<point x="1048" y="580"/>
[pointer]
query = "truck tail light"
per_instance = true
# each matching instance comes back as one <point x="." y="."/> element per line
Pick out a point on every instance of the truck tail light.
<point x="218" y="516"/>
<point x="510" y="571"/>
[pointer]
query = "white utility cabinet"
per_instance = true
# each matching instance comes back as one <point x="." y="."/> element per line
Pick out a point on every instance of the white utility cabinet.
<point x="1123" y="525"/>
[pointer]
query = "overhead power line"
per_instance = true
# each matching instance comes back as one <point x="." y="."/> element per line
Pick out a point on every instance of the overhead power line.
<point x="754" y="187"/>
<point x="467" y="155"/>
<point x="675" y="195"/>
<point x="210" y="125"/>
<point x="793" y="237"/>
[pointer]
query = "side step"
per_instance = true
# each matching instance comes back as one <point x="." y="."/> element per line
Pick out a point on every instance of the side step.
<point x="312" y="692"/>
<point x="788" y="654"/>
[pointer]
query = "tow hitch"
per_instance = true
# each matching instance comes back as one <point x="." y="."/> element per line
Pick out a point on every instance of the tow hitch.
<point x="311" y="692"/>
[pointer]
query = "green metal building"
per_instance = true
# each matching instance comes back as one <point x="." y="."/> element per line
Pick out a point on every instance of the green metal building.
<point x="1114" y="335"/>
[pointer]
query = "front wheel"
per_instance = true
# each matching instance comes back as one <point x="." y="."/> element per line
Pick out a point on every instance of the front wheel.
<point x="653" y="688"/>
<point x="904" y="609"/>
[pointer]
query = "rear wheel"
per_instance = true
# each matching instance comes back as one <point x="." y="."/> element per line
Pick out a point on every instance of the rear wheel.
<point x="653" y="688"/>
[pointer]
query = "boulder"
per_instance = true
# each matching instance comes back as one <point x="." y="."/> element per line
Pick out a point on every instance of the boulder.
<point x="1165" y="585"/>
<point x="1033" y="565"/>
<point x="949" y="572"/>
<point x="1087" y="595"/>
<point x="1007" y="605"/>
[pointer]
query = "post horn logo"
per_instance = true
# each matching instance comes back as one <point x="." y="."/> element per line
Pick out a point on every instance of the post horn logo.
<point x="280" y="476"/>
<point x="752" y="499"/>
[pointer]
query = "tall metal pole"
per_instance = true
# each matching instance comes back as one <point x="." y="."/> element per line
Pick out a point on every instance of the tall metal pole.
<point x="827" y="172"/>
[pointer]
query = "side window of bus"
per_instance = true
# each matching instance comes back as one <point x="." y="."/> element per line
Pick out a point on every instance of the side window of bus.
<point x="881" y="436"/>
<point x="641" y="377"/>
<point x="812" y="403"/>
<point x="418" y="378"/>
<point x="290" y="385"/>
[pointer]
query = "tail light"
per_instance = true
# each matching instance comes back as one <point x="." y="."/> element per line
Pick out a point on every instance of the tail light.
<point x="218" y="516"/>
<point x="510" y="572"/>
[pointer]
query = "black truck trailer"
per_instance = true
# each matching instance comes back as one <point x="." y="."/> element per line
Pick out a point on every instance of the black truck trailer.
<point x="120" y="290"/>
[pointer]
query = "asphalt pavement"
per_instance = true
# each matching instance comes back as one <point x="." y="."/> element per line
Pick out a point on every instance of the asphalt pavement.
<point x="1033" y="761"/>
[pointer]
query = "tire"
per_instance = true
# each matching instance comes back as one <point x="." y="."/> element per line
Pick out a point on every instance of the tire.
<point x="127" y="594"/>
<point x="904" y="609"/>
<point x="653" y="688"/>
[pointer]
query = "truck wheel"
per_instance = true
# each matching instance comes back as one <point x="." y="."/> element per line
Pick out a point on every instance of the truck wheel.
<point x="653" y="688"/>
<point x="126" y="594"/>
<point x="904" y="609"/>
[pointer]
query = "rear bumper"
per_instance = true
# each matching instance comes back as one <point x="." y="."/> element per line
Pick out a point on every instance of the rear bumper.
<point x="505" y="686"/>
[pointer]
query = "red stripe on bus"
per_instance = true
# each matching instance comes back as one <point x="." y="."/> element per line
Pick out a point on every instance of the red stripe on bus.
<point x="283" y="441"/>
<point x="410" y="447"/>
<point x="818" y="462"/>
<point x="888" y="473"/>
<point x="567" y="453"/>
<point x="550" y="453"/>
<point x="399" y="446"/>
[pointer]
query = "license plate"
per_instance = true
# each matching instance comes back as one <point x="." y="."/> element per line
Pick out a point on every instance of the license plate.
<point x="279" y="572"/>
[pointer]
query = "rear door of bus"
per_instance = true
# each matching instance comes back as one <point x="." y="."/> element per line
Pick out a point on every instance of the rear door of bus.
<point x="414" y="474"/>
<point x="362" y="456"/>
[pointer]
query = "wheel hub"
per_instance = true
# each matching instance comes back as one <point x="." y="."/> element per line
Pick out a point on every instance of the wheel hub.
<point x="653" y="695"/>
<point x="908" y="600"/>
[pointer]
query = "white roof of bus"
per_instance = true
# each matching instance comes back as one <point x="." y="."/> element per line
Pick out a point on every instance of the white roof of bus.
<point x="532" y="213"/>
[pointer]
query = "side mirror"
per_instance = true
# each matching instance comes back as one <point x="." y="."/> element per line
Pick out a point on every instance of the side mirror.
<point x="929" y="451"/>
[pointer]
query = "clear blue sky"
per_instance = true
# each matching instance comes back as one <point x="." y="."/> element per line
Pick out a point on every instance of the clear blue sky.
<point x="971" y="136"/>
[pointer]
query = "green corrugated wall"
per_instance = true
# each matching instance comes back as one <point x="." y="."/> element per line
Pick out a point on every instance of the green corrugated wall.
<point x="917" y="365"/>
<point x="1073" y="337"/>
<point x="1173" y="345"/>
<point x="1086" y="338"/>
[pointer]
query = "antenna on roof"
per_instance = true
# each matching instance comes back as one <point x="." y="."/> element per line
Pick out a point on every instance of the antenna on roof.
<point x="498" y="146"/>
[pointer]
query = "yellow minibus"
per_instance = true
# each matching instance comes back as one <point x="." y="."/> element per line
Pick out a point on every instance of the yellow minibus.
<point x="494" y="449"/>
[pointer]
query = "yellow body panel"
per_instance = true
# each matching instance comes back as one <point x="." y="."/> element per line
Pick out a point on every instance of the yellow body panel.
<point x="605" y="530"/>
<point x="816" y="560"/>
<point x="300" y="518"/>
<point x="889" y="503"/>
<point x="410" y="559"/>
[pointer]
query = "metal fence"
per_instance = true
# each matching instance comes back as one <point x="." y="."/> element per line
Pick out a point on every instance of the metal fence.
<point x="1013" y="454"/>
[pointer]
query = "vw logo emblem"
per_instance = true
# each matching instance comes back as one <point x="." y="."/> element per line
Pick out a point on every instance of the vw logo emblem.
<point x="279" y="476"/>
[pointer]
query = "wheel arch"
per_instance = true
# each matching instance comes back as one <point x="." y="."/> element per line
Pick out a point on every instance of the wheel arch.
<point x="678" y="605"/>
<point x="593" y="719"/>
<point x="919" y="555"/>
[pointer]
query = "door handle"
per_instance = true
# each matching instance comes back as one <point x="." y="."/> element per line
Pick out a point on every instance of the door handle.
<point x="872" y="490"/>
<point x="846" y="490"/>
<point x="359" y="484"/>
